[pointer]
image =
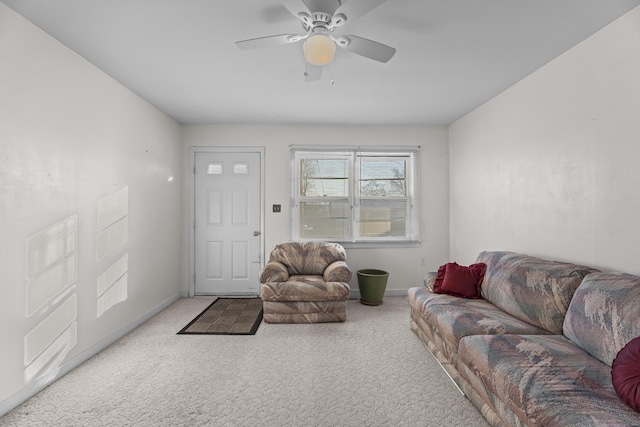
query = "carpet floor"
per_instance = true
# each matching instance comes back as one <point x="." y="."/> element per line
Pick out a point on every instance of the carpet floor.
<point x="368" y="371"/>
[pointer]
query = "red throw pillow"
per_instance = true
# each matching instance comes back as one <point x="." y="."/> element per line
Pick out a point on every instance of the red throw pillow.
<point x="437" y="284"/>
<point x="460" y="281"/>
<point x="625" y="373"/>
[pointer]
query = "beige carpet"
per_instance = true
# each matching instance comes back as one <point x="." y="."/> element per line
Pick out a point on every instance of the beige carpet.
<point x="369" y="371"/>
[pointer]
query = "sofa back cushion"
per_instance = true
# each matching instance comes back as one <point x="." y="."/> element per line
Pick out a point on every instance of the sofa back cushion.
<point x="604" y="314"/>
<point x="307" y="258"/>
<point x="534" y="290"/>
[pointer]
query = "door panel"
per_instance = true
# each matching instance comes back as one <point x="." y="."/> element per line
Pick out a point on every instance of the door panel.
<point x="240" y="206"/>
<point x="214" y="260"/>
<point x="214" y="207"/>
<point x="227" y="222"/>
<point x="240" y="260"/>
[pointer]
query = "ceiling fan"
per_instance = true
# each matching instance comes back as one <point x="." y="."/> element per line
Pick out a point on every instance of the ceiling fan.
<point x="319" y="40"/>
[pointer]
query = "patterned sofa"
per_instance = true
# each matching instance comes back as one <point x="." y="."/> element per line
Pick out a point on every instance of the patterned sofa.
<point x="305" y="282"/>
<point x="537" y="349"/>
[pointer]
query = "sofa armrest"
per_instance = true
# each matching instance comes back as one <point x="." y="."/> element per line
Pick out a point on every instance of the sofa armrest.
<point x="430" y="279"/>
<point x="337" y="271"/>
<point x="274" y="271"/>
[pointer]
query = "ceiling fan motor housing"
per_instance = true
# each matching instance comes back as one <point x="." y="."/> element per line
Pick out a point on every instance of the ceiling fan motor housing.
<point x="321" y="19"/>
<point x="316" y="19"/>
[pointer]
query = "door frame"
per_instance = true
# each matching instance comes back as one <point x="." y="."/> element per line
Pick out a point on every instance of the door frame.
<point x="193" y="150"/>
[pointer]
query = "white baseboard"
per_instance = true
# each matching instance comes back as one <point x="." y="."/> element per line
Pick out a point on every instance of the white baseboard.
<point x="39" y="384"/>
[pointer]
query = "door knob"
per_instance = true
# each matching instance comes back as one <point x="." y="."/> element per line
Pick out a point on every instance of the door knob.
<point x="256" y="233"/>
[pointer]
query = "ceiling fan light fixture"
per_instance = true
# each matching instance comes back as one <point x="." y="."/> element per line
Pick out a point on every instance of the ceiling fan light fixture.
<point x="319" y="49"/>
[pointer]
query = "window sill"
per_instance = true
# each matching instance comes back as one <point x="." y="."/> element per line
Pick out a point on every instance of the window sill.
<point x="376" y="245"/>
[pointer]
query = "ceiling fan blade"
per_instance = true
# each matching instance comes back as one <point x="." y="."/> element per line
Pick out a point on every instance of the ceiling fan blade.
<point x="268" y="41"/>
<point x="354" y="9"/>
<point x="312" y="72"/>
<point x="368" y="48"/>
<point x="296" y="7"/>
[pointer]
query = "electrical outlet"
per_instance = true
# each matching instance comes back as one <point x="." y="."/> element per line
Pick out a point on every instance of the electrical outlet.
<point x="277" y="208"/>
<point x="423" y="261"/>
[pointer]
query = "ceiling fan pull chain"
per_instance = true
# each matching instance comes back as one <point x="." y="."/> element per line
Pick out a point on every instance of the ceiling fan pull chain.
<point x="331" y="66"/>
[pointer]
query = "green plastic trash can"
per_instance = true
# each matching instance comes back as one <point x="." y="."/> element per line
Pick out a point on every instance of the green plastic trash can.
<point x="372" y="284"/>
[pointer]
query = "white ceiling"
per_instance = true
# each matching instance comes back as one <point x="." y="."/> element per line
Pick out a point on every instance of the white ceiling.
<point x="452" y="55"/>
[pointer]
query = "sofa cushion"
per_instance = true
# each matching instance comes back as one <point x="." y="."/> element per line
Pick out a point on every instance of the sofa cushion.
<point x="534" y="290"/>
<point x="541" y="377"/>
<point x="625" y="373"/>
<point x="460" y="281"/>
<point x="451" y="318"/>
<point x="603" y="315"/>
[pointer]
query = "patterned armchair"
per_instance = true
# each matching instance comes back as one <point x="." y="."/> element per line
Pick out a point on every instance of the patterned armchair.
<point x="305" y="282"/>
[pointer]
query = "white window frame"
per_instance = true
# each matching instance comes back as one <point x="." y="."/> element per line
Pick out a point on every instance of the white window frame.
<point x="353" y="199"/>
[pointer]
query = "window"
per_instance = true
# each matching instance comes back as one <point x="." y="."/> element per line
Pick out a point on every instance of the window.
<point x="355" y="195"/>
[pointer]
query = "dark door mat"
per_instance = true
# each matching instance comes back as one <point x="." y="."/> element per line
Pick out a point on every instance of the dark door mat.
<point x="227" y="316"/>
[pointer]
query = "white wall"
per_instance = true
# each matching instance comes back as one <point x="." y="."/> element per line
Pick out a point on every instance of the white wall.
<point x="550" y="166"/>
<point x="70" y="136"/>
<point x="404" y="264"/>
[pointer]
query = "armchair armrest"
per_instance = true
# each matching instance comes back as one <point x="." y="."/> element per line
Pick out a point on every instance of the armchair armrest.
<point x="274" y="271"/>
<point x="337" y="271"/>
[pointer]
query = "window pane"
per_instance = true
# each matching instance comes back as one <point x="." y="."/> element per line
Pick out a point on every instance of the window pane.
<point x="380" y="177"/>
<point x="214" y="168"/>
<point x="377" y="168"/>
<point x="329" y="220"/>
<point x="240" y="168"/>
<point x="324" y="168"/>
<point x="324" y="178"/>
<point x="383" y="218"/>
<point x="382" y="188"/>
<point x="324" y="187"/>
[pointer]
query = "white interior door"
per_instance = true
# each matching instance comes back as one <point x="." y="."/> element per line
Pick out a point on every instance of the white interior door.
<point x="227" y="219"/>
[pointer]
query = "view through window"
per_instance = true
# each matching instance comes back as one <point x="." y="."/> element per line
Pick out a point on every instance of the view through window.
<point x="357" y="195"/>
